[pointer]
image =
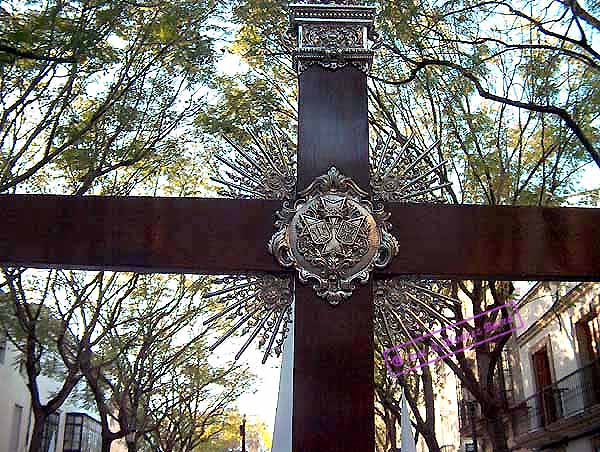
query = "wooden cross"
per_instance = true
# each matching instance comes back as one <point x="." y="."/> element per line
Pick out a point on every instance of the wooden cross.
<point x="333" y="357"/>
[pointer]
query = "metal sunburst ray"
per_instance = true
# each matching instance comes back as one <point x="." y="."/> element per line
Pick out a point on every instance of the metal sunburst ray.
<point x="262" y="168"/>
<point x="401" y="172"/>
<point x="405" y="310"/>
<point x="257" y="305"/>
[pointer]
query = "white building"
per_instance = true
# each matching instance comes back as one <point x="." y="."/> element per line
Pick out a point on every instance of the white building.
<point x="71" y="430"/>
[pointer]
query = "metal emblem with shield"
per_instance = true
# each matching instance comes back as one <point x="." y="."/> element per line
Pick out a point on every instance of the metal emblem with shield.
<point x="319" y="230"/>
<point x="333" y="236"/>
<point x="348" y="230"/>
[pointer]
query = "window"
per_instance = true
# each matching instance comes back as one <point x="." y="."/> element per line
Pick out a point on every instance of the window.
<point x="588" y="337"/>
<point x="3" y="345"/>
<point x="50" y="432"/>
<point x="15" y="435"/>
<point x="546" y="400"/>
<point x="504" y="376"/>
<point x="72" y="433"/>
<point x="23" y="367"/>
<point x="82" y="434"/>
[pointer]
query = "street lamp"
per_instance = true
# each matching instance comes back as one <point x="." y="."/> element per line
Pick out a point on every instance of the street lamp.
<point x="130" y="436"/>
<point x="472" y="407"/>
<point x="243" y="433"/>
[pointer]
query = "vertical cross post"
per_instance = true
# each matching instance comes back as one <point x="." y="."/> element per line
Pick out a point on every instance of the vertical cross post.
<point x="333" y="345"/>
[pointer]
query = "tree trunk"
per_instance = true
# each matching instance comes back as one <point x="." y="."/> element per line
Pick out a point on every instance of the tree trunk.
<point x="35" y="444"/>
<point x="106" y="443"/>
<point x="497" y="433"/>
<point x="429" y="396"/>
<point x="425" y="428"/>
<point x="431" y="440"/>
<point x="390" y="427"/>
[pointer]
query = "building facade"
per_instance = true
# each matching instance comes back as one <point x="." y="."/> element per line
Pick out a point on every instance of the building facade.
<point x="69" y="430"/>
<point x="559" y="354"/>
<point x="550" y="376"/>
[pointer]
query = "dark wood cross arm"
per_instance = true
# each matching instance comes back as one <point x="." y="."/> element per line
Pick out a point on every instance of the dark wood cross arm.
<point x="197" y="235"/>
<point x="496" y="242"/>
<point x="169" y="235"/>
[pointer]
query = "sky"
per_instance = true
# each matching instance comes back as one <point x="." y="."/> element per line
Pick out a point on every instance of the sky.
<point x="263" y="402"/>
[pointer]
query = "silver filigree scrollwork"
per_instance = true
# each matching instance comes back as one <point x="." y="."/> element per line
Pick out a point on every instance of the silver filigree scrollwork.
<point x="254" y="306"/>
<point x="404" y="173"/>
<point x="333" y="236"/>
<point x="332" y="34"/>
<point x="265" y="168"/>
<point x="327" y="37"/>
<point x="406" y="310"/>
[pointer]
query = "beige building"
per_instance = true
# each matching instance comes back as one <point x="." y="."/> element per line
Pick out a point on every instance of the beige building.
<point x="550" y="375"/>
<point x="559" y="354"/>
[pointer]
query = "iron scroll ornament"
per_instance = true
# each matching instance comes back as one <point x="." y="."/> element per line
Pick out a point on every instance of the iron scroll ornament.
<point x="333" y="236"/>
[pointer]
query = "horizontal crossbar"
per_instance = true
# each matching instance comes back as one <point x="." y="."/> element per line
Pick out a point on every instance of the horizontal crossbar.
<point x="196" y="235"/>
<point x="146" y="234"/>
<point x="496" y="242"/>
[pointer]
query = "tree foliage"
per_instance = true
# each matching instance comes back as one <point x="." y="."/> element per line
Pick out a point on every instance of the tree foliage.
<point x="527" y="55"/>
<point x="258" y="438"/>
<point x="130" y="346"/>
<point x="99" y="96"/>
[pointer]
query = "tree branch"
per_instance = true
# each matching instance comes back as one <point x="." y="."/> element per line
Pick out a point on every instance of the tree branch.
<point x="27" y="55"/>
<point x="551" y="109"/>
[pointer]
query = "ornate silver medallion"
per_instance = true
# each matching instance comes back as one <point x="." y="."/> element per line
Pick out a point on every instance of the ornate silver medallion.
<point x="333" y="236"/>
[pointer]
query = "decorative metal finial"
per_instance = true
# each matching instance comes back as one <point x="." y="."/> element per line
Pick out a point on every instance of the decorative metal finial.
<point x="333" y="236"/>
<point x="332" y="34"/>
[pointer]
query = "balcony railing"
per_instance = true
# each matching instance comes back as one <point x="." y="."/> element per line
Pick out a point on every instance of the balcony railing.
<point x="572" y="395"/>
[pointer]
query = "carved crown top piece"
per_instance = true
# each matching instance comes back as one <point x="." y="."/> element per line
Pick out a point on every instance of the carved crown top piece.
<point x="332" y="34"/>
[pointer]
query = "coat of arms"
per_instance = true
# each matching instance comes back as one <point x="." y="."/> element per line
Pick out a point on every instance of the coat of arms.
<point x="333" y="236"/>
